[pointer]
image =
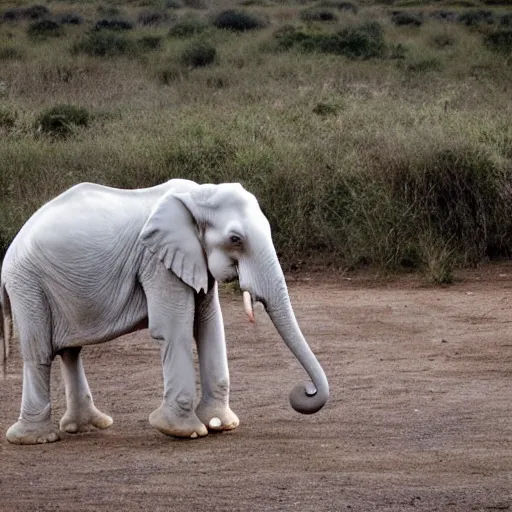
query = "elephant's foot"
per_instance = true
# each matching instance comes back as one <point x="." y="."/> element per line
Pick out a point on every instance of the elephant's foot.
<point x="84" y="419"/>
<point x="217" y="417"/>
<point x="178" y="425"/>
<point x="26" y="432"/>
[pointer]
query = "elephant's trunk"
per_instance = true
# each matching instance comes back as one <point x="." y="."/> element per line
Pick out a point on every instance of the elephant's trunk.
<point x="272" y="291"/>
<point x="305" y="398"/>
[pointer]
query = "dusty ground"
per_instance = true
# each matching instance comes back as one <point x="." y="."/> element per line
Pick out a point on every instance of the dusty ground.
<point x="420" y="416"/>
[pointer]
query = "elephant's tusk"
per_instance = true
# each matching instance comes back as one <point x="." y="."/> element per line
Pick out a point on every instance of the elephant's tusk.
<point x="248" y="306"/>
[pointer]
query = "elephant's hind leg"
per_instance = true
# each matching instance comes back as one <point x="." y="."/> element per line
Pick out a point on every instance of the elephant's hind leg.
<point x="33" y="319"/>
<point x="34" y="424"/>
<point x="81" y="414"/>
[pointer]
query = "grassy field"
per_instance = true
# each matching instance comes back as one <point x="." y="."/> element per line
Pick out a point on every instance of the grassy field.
<point x="372" y="133"/>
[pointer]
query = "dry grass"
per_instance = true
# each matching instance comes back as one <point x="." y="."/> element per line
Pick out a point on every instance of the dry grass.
<point x="351" y="186"/>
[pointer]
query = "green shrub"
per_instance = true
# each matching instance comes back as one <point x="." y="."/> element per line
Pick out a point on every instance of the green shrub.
<point x="11" y="53"/>
<point x="110" y="11"/>
<point x="506" y="20"/>
<point x="340" y="5"/>
<point x="152" y="18"/>
<point x="397" y="51"/>
<point x="44" y="28"/>
<point x="474" y="18"/>
<point x="444" y="15"/>
<point x="442" y="40"/>
<point x="363" y="41"/>
<point x="324" y="108"/>
<point x="238" y="21"/>
<point x="406" y="18"/>
<point x="61" y="120"/>
<point x="104" y="44"/>
<point x="146" y="43"/>
<point x="173" y="4"/>
<point x="187" y="27"/>
<point x="318" y="15"/>
<point x="356" y="42"/>
<point x="250" y="3"/>
<point x="35" y="12"/>
<point x="199" y="54"/>
<point x="194" y="4"/>
<point x="70" y="18"/>
<point x="7" y="118"/>
<point x="12" y="14"/>
<point x="500" y="40"/>
<point x="171" y="74"/>
<point x="114" y="24"/>
<point x="421" y="65"/>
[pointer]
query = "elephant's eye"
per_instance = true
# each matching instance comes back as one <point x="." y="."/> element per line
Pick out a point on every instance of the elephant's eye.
<point x="235" y="239"/>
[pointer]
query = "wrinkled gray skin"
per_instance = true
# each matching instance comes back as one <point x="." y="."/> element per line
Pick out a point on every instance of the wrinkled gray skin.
<point x="97" y="262"/>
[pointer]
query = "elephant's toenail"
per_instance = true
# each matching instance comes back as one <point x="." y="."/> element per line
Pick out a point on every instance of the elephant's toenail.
<point x="215" y="423"/>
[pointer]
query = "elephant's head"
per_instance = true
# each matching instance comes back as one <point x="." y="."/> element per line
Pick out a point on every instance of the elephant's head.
<point x="196" y="229"/>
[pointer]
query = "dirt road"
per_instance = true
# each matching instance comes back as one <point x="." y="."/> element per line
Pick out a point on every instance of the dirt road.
<point x="420" y="414"/>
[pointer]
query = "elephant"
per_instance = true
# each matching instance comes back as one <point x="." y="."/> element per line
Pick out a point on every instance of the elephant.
<point x="96" y="262"/>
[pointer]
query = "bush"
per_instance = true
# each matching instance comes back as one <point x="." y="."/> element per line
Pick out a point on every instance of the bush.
<point x="238" y="21"/>
<point x="12" y="14"/>
<point x="152" y="18"/>
<point x="462" y="190"/>
<point x="406" y="18"/>
<point x="173" y="4"/>
<point x="506" y="20"/>
<point x="44" y="28"/>
<point x="340" y="5"/>
<point x="194" y="4"/>
<point x="7" y="118"/>
<point x="363" y="41"/>
<point x="357" y="42"/>
<point x="500" y="40"/>
<point x="318" y="15"/>
<point x="474" y="18"/>
<point x="187" y="27"/>
<point x="397" y="51"/>
<point x="444" y="15"/>
<point x="36" y="12"/>
<point x="33" y="12"/>
<point x="442" y="41"/>
<point x="114" y="24"/>
<point x="104" y="44"/>
<point x="149" y="42"/>
<point x="70" y="18"/>
<point x="326" y="108"/>
<point x="199" y="54"/>
<point x="109" y="11"/>
<point x="250" y="3"/>
<point x="10" y="53"/>
<point x="61" y="120"/>
<point x="171" y="74"/>
<point x="421" y="65"/>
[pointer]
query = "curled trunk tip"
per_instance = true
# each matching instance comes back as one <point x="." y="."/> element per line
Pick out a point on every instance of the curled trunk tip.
<point x="307" y="399"/>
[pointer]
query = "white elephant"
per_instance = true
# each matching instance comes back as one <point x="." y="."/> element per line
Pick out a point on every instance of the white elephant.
<point x="97" y="262"/>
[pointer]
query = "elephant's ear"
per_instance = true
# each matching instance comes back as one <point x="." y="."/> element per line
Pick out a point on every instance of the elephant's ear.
<point x="171" y="233"/>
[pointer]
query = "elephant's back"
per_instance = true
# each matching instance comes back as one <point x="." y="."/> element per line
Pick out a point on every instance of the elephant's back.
<point x="85" y="218"/>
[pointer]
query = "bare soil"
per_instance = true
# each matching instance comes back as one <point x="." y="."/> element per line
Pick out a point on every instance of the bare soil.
<point x="420" y="414"/>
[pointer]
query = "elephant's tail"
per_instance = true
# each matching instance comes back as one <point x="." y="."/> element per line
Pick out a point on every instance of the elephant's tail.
<point x="5" y="327"/>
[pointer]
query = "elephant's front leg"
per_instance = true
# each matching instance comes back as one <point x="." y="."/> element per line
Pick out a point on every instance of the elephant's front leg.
<point x="171" y="323"/>
<point x="213" y="410"/>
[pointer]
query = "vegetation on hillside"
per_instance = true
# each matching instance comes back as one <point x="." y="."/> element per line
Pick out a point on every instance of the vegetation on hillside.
<point x="372" y="133"/>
